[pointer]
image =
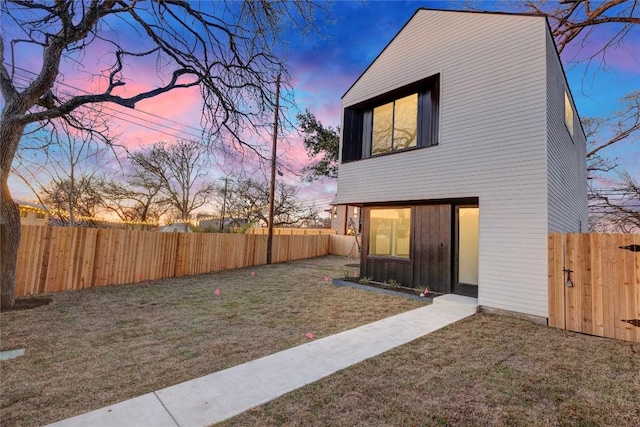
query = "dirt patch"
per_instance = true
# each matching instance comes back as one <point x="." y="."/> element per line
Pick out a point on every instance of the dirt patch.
<point x="28" y="303"/>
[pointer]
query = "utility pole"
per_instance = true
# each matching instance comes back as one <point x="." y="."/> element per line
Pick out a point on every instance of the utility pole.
<point x="224" y="203"/>
<point x="272" y="189"/>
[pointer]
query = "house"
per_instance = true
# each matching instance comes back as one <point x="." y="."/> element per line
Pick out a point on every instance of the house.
<point x="32" y="214"/>
<point x="176" y="227"/>
<point x="463" y="149"/>
<point x="344" y="219"/>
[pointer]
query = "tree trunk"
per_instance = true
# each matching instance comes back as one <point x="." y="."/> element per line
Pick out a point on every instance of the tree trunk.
<point x="10" y="134"/>
<point x="71" y="195"/>
<point x="9" y="241"/>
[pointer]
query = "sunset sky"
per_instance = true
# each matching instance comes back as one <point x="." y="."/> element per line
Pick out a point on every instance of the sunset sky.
<point x="321" y="70"/>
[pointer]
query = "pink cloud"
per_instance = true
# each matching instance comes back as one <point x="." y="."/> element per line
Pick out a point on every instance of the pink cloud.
<point x="182" y="107"/>
<point x="604" y="182"/>
<point x="621" y="57"/>
<point x="173" y="116"/>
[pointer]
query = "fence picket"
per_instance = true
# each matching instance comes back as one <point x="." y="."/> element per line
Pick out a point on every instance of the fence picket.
<point x="585" y="277"/>
<point x="556" y="281"/>
<point x="596" y="280"/>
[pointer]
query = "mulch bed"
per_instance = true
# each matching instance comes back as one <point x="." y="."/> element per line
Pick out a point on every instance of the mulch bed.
<point x="412" y="293"/>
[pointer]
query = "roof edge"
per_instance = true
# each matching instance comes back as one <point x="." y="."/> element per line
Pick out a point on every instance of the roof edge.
<point x="532" y="14"/>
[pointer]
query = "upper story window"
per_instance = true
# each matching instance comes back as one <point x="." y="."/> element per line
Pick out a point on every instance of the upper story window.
<point x="395" y="125"/>
<point x="403" y="119"/>
<point x="568" y="114"/>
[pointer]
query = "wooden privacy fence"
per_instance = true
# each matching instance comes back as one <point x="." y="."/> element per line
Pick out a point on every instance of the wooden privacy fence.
<point x="60" y="258"/>
<point x="345" y="246"/>
<point x="594" y="284"/>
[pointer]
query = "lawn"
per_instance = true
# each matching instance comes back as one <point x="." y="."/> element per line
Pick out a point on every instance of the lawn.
<point x="484" y="370"/>
<point x="92" y="348"/>
<point x="95" y="347"/>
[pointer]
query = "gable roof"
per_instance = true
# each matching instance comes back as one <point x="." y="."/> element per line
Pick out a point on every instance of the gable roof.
<point x="424" y="9"/>
<point x="479" y="12"/>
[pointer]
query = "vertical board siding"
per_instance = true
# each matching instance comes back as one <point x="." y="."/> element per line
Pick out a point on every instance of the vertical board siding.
<point x="52" y="259"/>
<point x="432" y="247"/>
<point x="605" y="297"/>
<point x="492" y="142"/>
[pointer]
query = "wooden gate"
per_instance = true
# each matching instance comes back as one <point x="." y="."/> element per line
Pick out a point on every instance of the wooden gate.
<point x="594" y="284"/>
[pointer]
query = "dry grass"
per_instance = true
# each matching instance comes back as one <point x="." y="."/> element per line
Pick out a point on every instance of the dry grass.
<point x="485" y="370"/>
<point x="92" y="348"/>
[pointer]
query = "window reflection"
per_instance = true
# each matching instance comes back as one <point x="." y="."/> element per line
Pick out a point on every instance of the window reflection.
<point x="382" y="125"/>
<point x="568" y="114"/>
<point x="395" y="125"/>
<point x="405" y="122"/>
<point x="390" y="231"/>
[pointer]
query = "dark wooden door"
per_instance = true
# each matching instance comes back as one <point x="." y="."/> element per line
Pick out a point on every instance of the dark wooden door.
<point x="432" y="247"/>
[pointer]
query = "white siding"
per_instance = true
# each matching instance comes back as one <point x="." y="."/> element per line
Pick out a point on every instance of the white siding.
<point x="492" y="141"/>
<point x="343" y="215"/>
<point x="567" y="171"/>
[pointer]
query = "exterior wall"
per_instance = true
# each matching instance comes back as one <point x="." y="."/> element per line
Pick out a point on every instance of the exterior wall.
<point x="567" y="183"/>
<point x="31" y="217"/>
<point x="492" y="143"/>
<point x="343" y="214"/>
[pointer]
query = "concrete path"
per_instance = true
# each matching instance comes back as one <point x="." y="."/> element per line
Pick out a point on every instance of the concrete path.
<point x="224" y="394"/>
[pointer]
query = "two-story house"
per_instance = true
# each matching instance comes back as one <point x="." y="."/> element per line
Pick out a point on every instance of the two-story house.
<point x="462" y="148"/>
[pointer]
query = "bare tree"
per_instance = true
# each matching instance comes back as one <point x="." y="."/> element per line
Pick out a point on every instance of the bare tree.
<point x="623" y="125"/>
<point x="614" y="204"/>
<point x="181" y="170"/>
<point x="248" y="202"/>
<point x="573" y="20"/>
<point x="617" y="208"/>
<point x="58" y="165"/>
<point x="72" y="201"/>
<point x="223" y="48"/>
<point x="136" y="199"/>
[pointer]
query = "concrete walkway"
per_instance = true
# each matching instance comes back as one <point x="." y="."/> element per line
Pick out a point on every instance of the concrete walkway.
<point x="224" y="394"/>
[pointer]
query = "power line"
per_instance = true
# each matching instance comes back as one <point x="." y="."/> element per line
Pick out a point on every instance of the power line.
<point x="89" y="93"/>
<point x="118" y="114"/>
<point x="127" y="117"/>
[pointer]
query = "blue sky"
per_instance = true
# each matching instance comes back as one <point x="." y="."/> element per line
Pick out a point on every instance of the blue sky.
<point x="323" y="68"/>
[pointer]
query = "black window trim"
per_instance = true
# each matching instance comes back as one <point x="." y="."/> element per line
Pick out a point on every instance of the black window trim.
<point x="411" y="208"/>
<point x="354" y="147"/>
